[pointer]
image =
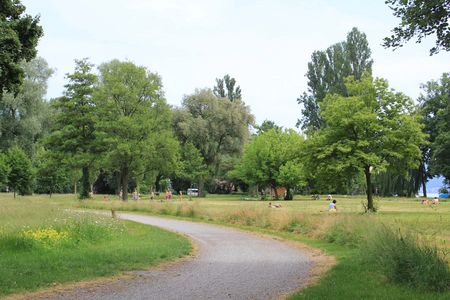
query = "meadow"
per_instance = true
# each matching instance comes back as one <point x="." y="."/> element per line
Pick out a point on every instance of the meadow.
<point x="365" y="245"/>
<point x="44" y="242"/>
<point x="400" y="252"/>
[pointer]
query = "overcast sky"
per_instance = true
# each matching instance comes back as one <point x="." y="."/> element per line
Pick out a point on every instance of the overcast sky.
<point x="265" y="45"/>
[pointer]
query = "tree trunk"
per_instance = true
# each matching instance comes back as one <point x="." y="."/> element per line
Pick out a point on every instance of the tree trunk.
<point x="85" y="186"/>
<point x="201" y="187"/>
<point x="369" y="189"/>
<point x="124" y="184"/>
<point x="424" y="181"/>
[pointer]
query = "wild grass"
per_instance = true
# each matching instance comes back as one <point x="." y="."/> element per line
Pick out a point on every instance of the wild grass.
<point x="349" y="228"/>
<point x="54" y="245"/>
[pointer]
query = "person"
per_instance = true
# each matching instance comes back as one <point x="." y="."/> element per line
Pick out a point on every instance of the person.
<point x="332" y="206"/>
<point x="181" y="195"/>
<point x="425" y="201"/>
<point x="329" y="198"/>
<point x="135" y="195"/>
<point x="435" y="200"/>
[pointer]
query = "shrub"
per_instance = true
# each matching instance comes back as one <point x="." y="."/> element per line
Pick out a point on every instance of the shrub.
<point x="403" y="258"/>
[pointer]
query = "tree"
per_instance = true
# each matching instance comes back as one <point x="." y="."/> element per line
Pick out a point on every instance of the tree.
<point x="75" y="135"/>
<point x="434" y="99"/>
<point x="192" y="166"/>
<point x="273" y="159"/>
<point x="23" y="116"/>
<point x="20" y="176"/>
<point x="266" y="125"/>
<point x="228" y="91"/>
<point x="420" y="18"/>
<point x="440" y="160"/>
<point x="217" y="128"/>
<point x="19" y="35"/>
<point x="371" y="130"/>
<point x="4" y="170"/>
<point x="52" y="176"/>
<point x="136" y="121"/>
<point x="327" y="71"/>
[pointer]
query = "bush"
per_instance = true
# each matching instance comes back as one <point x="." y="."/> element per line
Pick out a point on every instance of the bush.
<point x="403" y="258"/>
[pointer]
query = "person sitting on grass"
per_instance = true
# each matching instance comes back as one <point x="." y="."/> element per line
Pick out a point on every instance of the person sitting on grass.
<point x="274" y="206"/>
<point x="425" y="201"/>
<point x="332" y="206"/>
<point x="435" y="200"/>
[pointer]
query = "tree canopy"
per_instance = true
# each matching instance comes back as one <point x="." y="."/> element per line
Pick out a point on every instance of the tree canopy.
<point x="420" y="18"/>
<point x="370" y="130"/>
<point x="136" y="121"/>
<point x="273" y="159"/>
<point x="19" y="35"/>
<point x="226" y="88"/>
<point x="327" y="71"/>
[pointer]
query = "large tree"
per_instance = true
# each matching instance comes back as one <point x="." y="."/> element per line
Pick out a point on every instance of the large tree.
<point x="19" y="35"/>
<point x="433" y="101"/>
<point x="372" y="129"/>
<point x="136" y="121"/>
<point x="438" y="101"/>
<point x="273" y="159"/>
<point x="420" y="18"/>
<point x="215" y="126"/>
<point x="23" y="116"/>
<point x="327" y="71"/>
<point x="75" y="135"/>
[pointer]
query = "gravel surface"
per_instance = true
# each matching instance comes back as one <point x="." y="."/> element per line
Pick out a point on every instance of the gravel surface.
<point x="229" y="264"/>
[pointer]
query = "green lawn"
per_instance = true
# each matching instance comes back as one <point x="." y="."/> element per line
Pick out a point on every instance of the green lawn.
<point x="78" y="247"/>
<point x="303" y="220"/>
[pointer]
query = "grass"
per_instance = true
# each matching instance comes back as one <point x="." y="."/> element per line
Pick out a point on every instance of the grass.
<point x="357" y="275"/>
<point x="343" y="235"/>
<point x="43" y="244"/>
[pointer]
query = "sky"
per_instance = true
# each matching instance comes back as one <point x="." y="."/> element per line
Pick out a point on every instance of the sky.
<point x="264" y="45"/>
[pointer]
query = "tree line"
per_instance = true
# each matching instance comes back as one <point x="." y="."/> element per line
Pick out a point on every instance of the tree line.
<point x="113" y="129"/>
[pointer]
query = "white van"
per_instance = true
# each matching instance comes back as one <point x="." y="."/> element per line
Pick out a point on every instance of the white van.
<point x="192" y="192"/>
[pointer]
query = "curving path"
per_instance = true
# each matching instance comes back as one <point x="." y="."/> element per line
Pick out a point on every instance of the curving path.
<point x="229" y="264"/>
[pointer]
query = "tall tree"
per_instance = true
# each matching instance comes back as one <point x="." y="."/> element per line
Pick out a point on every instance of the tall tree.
<point x="215" y="127"/>
<point x="266" y="125"/>
<point x="420" y="18"/>
<point x="273" y="159"/>
<point x="327" y="71"/>
<point x="440" y="146"/>
<point x="75" y="134"/>
<point x="137" y="122"/>
<point x="19" y="35"/>
<point x="373" y="129"/>
<point x="23" y="116"/>
<point x="226" y="88"/>
<point x="433" y="99"/>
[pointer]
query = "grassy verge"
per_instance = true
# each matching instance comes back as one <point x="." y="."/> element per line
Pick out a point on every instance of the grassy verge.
<point x="42" y="245"/>
<point x="345" y="235"/>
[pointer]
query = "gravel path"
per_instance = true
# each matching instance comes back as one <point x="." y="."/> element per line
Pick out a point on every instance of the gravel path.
<point x="229" y="264"/>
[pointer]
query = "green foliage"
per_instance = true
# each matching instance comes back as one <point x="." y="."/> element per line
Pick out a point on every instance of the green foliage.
<point x="135" y="122"/>
<point x="405" y="259"/>
<point x="420" y="18"/>
<point x="75" y="137"/>
<point x="19" y="34"/>
<point x="326" y="74"/>
<point x="20" y="176"/>
<point x="217" y="128"/>
<point x="25" y="114"/>
<point x="266" y="125"/>
<point x="4" y="170"/>
<point x="373" y="129"/>
<point x="192" y="166"/>
<point x="52" y="176"/>
<point x="273" y="159"/>
<point x="228" y="91"/>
